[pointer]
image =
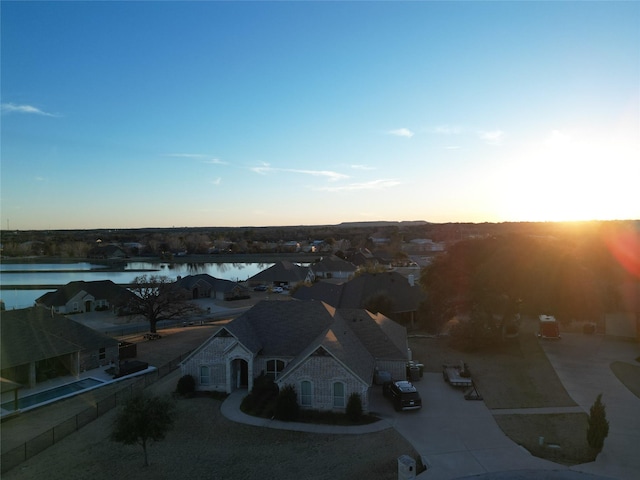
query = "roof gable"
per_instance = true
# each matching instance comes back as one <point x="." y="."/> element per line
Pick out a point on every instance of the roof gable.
<point x="283" y="271"/>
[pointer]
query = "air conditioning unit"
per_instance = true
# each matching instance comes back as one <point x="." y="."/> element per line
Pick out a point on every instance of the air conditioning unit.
<point x="406" y="468"/>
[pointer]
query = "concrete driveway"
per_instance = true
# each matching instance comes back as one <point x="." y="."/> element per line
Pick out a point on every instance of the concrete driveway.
<point x="456" y="437"/>
<point x="583" y="365"/>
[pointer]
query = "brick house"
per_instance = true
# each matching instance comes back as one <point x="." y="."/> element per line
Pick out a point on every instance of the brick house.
<point x="325" y="353"/>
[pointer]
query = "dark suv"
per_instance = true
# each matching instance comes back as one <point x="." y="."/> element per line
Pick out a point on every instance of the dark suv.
<point x="403" y="395"/>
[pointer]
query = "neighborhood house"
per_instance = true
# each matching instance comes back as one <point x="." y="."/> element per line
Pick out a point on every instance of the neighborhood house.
<point x="325" y="353"/>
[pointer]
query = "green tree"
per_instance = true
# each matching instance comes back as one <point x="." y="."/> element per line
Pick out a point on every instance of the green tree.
<point x="158" y="298"/>
<point x="598" y="425"/>
<point x="142" y="420"/>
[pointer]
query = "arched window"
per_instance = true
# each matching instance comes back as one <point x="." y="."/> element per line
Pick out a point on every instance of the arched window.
<point x="274" y="367"/>
<point x="338" y="394"/>
<point x="204" y="375"/>
<point x="306" y="393"/>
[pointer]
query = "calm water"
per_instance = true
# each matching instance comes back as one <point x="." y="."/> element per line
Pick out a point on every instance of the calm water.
<point x="61" y="274"/>
<point x="56" y="393"/>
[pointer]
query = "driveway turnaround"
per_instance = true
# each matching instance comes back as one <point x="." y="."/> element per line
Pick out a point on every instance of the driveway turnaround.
<point x="456" y="437"/>
<point x="583" y="364"/>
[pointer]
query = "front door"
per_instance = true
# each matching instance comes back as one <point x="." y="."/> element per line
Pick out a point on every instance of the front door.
<point x="240" y="373"/>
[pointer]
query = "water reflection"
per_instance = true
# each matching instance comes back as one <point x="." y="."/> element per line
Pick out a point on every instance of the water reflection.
<point x="45" y="275"/>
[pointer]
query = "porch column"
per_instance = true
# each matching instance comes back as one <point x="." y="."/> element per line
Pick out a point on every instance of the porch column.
<point x="32" y="374"/>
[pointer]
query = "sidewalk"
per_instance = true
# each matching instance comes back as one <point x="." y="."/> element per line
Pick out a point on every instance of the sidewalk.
<point x="231" y="409"/>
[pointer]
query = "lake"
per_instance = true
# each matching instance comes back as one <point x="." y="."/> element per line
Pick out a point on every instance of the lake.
<point x="61" y="274"/>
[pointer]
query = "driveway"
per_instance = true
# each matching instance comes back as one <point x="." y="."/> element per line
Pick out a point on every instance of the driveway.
<point x="583" y="365"/>
<point x="456" y="437"/>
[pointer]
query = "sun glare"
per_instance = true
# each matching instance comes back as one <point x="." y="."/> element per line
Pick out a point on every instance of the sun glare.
<point x="571" y="178"/>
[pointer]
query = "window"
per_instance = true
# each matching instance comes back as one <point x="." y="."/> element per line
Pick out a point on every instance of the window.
<point x="102" y="353"/>
<point x="305" y="393"/>
<point x="274" y="367"/>
<point x="338" y="394"/>
<point x="204" y="375"/>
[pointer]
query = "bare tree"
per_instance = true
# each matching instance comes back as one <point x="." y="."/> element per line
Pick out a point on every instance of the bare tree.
<point x="158" y="298"/>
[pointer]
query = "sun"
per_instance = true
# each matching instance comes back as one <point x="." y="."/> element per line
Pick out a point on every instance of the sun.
<point x="573" y="178"/>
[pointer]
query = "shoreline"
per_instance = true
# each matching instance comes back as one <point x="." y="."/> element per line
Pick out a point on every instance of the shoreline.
<point x="204" y="258"/>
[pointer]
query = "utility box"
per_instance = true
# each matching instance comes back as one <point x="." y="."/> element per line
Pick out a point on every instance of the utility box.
<point x="406" y="468"/>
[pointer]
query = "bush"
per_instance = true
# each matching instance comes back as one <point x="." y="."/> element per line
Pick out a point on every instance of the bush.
<point x="262" y="398"/>
<point x="598" y="425"/>
<point x="354" y="407"/>
<point x="287" y="407"/>
<point x="186" y="385"/>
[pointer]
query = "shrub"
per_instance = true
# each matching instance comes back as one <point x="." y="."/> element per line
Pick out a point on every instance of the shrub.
<point x="287" y="407"/>
<point x="354" y="407"/>
<point x="186" y="385"/>
<point x="262" y="397"/>
<point x="598" y="425"/>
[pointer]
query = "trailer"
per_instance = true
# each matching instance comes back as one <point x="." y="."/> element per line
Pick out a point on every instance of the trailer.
<point x="548" y="327"/>
<point x="457" y="375"/>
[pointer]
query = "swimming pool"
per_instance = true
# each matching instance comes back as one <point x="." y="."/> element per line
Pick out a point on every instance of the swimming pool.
<point x="57" y="393"/>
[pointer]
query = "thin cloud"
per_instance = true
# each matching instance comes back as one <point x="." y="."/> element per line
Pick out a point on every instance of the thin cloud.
<point x="492" y="137"/>
<point x="446" y="130"/>
<point x="453" y="147"/>
<point x="381" y="184"/>
<point x="198" y="156"/>
<point x="401" y="132"/>
<point x="29" y="109"/>
<point x="217" y="181"/>
<point x="331" y="175"/>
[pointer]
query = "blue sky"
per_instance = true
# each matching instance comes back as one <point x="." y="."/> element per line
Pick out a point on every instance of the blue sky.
<point x="160" y="114"/>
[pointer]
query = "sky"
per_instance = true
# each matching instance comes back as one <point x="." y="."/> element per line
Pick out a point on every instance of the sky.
<point x="189" y="114"/>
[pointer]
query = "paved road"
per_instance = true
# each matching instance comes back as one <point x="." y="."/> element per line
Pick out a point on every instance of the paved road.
<point x="583" y="365"/>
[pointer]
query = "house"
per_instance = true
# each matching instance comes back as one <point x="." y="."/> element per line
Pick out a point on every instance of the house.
<point x="83" y="297"/>
<point x="38" y="344"/>
<point x="333" y="267"/>
<point x="325" y="353"/>
<point x="110" y="252"/>
<point x="281" y="274"/>
<point x="206" y="286"/>
<point x="359" y="292"/>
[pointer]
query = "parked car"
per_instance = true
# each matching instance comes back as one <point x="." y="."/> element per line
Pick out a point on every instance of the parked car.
<point x="260" y="288"/>
<point x="403" y="395"/>
<point x="277" y="290"/>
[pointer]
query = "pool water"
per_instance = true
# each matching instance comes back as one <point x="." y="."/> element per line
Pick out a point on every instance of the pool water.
<point x="56" y="393"/>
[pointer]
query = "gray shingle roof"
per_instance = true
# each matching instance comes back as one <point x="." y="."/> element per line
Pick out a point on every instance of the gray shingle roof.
<point x="333" y="264"/>
<point x="100" y="290"/>
<point x="33" y="334"/>
<point x="283" y="271"/>
<point x="355" y="293"/>
<point x="217" y="284"/>
<point x="295" y="330"/>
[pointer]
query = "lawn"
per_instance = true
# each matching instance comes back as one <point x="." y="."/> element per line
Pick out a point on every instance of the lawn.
<point x="517" y="374"/>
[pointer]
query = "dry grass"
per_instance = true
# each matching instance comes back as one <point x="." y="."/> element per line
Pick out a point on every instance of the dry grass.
<point x="564" y="435"/>
<point x="629" y="375"/>
<point x="205" y="445"/>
